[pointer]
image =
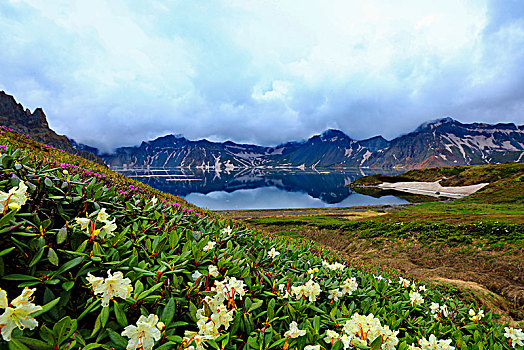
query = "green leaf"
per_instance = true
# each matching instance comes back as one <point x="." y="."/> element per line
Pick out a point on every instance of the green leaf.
<point x="149" y="291"/>
<point x="68" y="285"/>
<point x="19" y="277"/>
<point x="104" y="316"/>
<point x="92" y="346"/>
<point x="377" y="343"/>
<point x="37" y="257"/>
<point x="48" y="182"/>
<point x="119" y="341"/>
<point x="7" y="251"/>
<point x="15" y="344"/>
<point x="46" y="307"/>
<point x="33" y="344"/>
<point x="53" y="258"/>
<point x="169" y="312"/>
<point x="120" y="315"/>
<point x="7" y="217"/>
<point x="255" y="305"/>
<point x="61" y="235"/>
<point x="63" y="329"/>
<point x="192" y="311"/>
<point x="68" y="265"/>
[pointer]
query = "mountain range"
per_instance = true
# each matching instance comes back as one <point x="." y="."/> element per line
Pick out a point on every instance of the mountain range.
<point x="440" y="142"/>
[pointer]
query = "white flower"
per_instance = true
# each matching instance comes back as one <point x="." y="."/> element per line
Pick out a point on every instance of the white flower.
<point x="515" y="335"/>
<point x="433" y="344"/>
<point x="404" y="282"/>
<point x="378" y="277"/>
<point x="415" y="298"/>
<point x="331" y="336"/>
<point x="102" y="215"/>
<point x="154" y="200"/>
<point x="312" y="271"/>
<point x="113" y="286"/>
<point x="20" y="315"/>
<point x="476" y="317"/>
<point x="312" y="347"/>
<point x="196" y="275"/>
<point x="213" y="270"/>
<point x="335" y="294"/>
<point x="15" y="198"/>
<point x="282" y="288"/>
<point x="109" y="227"/>
<point x="83" y="222"/>
<point x="144" y="334"/>
<point x="422" y="288"/>
<point x="3" y="299"/>
<point x="350" y="285"/>
<point x="199" y="339"/>
<point x="223" y="317"/>
<point x="294" y="332"/>
<point x="209" y="246"/>
<point x="335" y="266"/>
<point x="273" y="253"/>
<point x="227" y="231"/>
<point x="365" y="329"/>
<point x="312" y="290"/>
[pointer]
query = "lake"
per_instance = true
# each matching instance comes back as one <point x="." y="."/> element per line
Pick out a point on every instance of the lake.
<point x="256" y="188"/>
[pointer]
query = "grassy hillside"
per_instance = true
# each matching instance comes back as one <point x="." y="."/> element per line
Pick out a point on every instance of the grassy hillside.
<point x="506" y="181"/>
<point x="101" y="261"/>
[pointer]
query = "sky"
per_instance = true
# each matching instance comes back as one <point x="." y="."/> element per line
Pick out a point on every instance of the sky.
<point x="115" y="73"/>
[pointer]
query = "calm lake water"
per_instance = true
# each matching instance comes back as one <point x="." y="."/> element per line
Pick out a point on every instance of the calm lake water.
<point x="262" y="188"/>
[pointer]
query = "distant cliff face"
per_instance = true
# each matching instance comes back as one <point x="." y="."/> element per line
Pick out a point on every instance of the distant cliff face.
<point x="14" y="116"/>
<point x="438" y="143"/>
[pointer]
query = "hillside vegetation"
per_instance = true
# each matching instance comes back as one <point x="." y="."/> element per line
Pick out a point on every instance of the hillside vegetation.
<point x="506" y="181"/>
<point x="90" y="259"/>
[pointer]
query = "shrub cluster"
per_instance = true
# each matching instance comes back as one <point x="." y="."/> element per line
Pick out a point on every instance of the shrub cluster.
<point x="97" y="268"/>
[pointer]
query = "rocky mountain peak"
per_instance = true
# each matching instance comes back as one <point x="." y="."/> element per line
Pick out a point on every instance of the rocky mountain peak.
<point x="332" y="135"/>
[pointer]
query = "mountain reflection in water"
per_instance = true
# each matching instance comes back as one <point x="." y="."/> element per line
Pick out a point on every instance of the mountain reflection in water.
<point x="262" y="188"/>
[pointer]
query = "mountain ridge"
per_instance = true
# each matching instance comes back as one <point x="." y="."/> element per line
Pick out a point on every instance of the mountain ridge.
<point x="439" y="142"/>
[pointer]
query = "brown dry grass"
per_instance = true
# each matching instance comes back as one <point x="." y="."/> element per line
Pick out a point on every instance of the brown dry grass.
<point x="494" y="278"/>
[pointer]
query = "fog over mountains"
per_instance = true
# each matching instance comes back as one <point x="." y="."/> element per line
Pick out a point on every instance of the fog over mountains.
<point x="436" y="143"/>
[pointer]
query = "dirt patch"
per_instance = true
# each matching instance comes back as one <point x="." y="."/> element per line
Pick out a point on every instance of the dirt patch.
<point x="341" y="212"/>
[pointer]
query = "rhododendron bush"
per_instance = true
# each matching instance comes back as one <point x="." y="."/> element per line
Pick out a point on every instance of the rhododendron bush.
<point x="91" y="267"/>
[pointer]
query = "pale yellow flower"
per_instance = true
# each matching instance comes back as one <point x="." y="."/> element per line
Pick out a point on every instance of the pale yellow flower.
<point x="15" y="198"/>
<point x="114" y="285"/>
<point x="294" y="332"/>
<point x="273" y="253"/>
<point x="144" y="334"/>
<point x="3" y="299"/>
<point x="20" y="315"/>
<point x="213" y="270"/>
<point x="210" y="245"/>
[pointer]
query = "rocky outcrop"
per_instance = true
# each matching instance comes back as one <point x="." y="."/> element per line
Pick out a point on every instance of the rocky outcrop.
<point x="34" y="124"/>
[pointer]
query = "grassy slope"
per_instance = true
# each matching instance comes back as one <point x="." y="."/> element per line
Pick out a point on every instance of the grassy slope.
<point x="159" y="247"/>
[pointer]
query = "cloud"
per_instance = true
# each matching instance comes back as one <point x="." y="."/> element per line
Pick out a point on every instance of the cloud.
<point x="116" y="73"/>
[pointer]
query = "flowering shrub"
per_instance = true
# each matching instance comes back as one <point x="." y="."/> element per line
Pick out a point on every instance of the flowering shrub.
<point x="177" y="279"/>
